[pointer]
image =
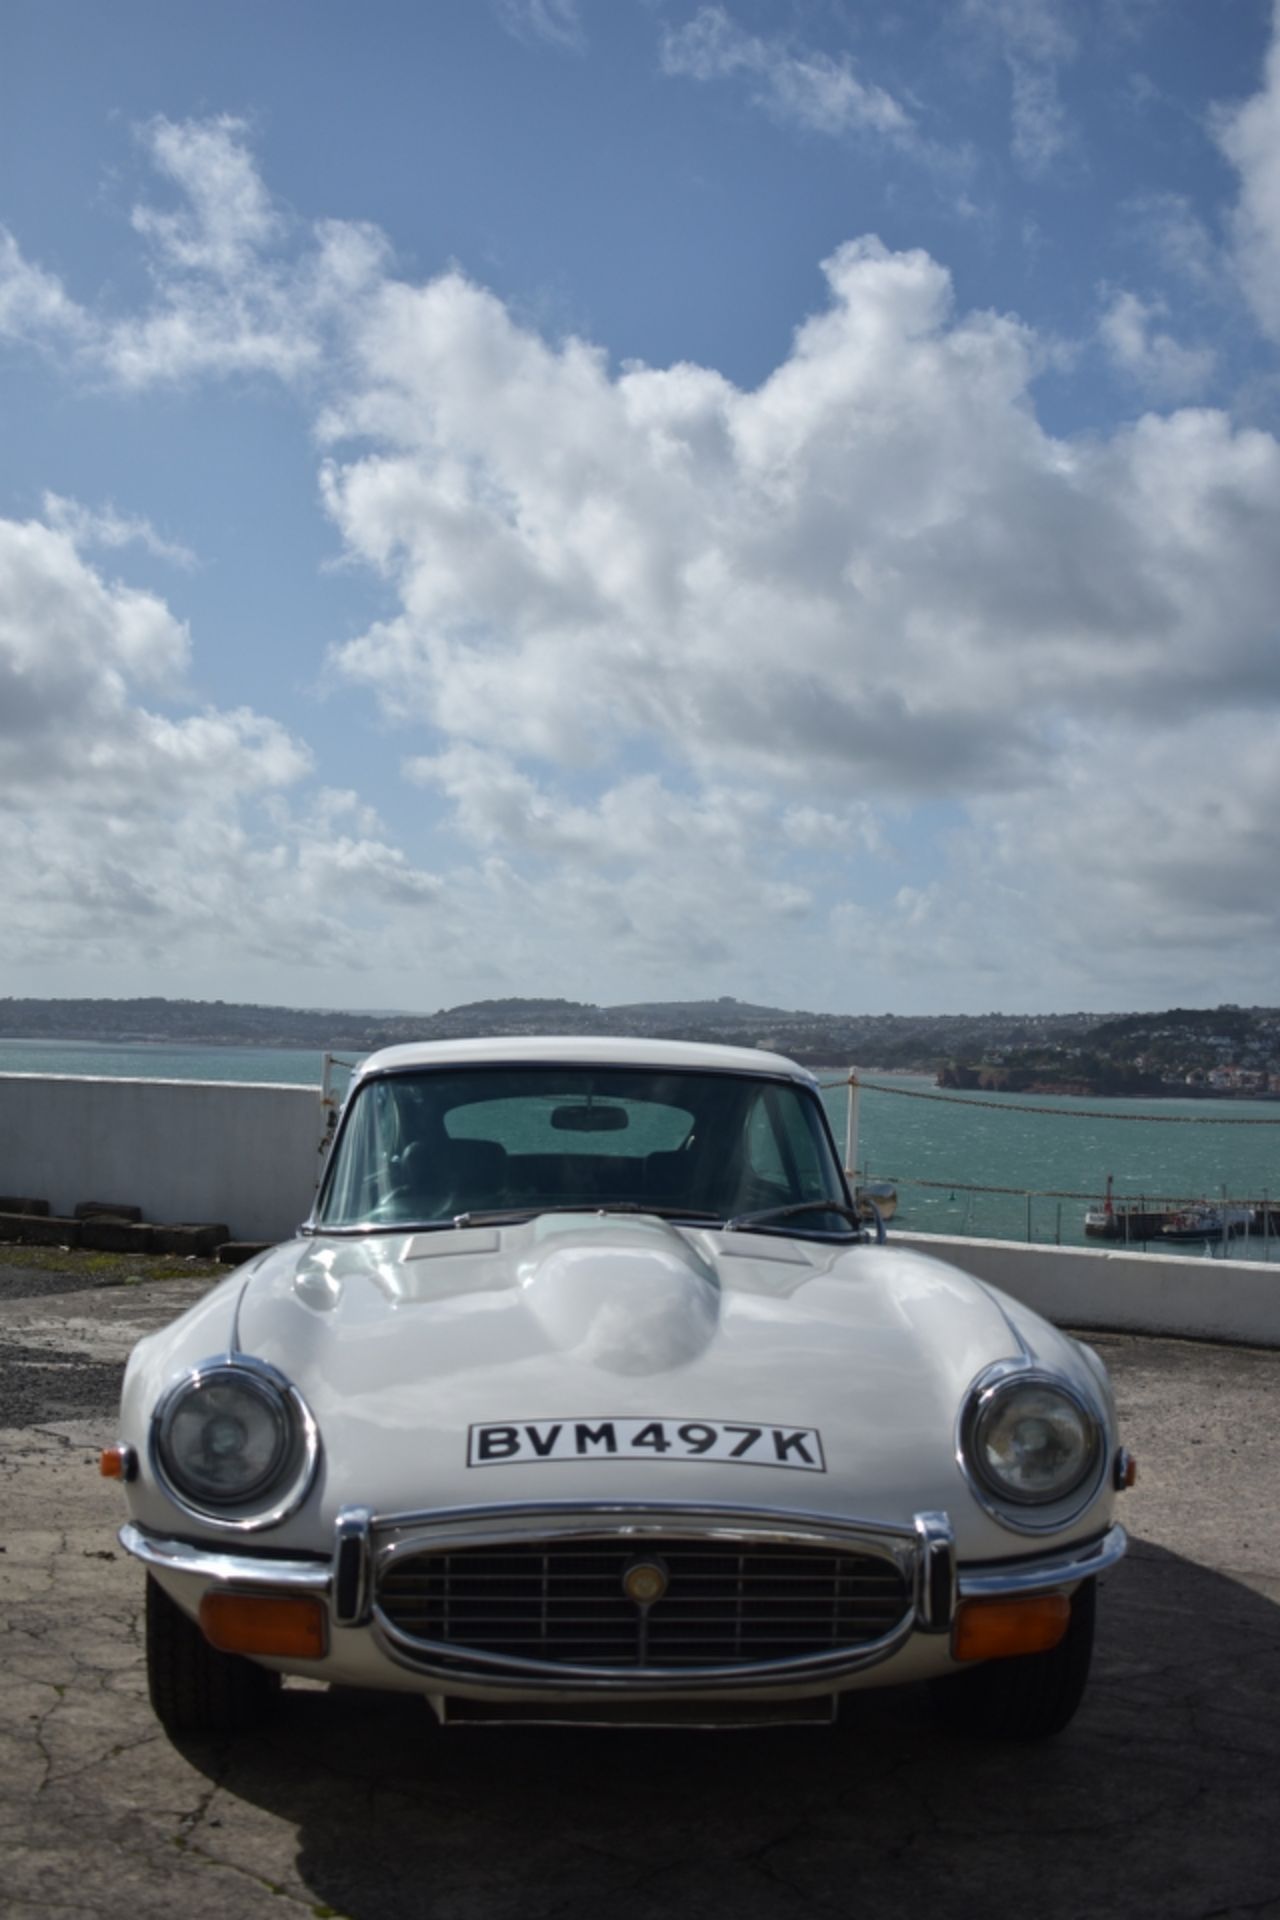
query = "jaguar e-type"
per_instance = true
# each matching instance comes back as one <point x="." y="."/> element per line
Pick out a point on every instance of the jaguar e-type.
<point x="586" y="1394"/>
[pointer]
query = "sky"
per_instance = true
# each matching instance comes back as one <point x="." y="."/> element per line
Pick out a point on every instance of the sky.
<point x="639" y="499"/>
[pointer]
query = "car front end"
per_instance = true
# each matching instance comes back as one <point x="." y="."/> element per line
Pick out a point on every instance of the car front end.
<point x="626" y="1460"/>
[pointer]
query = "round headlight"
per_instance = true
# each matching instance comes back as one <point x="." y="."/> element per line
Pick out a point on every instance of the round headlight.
<point x="228" y="1437"/>
<point x="1032" y="1442"/>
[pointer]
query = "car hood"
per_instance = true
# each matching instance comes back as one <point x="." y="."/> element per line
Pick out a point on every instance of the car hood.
<point x="402" y="1344"/>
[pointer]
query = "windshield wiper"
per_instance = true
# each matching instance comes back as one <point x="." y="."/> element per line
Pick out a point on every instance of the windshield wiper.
<point x="498" y="1216"/>
<point x="767" y="1216"/>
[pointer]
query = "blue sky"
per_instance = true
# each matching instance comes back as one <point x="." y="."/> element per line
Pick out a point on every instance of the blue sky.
<point x="632" y="499"/>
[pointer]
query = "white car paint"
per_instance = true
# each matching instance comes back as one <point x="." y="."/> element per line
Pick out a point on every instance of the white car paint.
<point x="406" y="1345"/>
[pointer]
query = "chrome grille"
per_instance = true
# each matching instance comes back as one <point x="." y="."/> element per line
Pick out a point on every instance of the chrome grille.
<point x="727" y="1604"/>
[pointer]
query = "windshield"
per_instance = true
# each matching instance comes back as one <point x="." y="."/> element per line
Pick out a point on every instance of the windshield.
<point x="421" y="1148"/>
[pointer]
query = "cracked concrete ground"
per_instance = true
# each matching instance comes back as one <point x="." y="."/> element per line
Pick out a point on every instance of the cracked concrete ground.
<point x="1161" y="1799"/>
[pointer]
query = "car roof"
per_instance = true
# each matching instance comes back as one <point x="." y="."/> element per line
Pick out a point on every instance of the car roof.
<point x="605" y="1050"/>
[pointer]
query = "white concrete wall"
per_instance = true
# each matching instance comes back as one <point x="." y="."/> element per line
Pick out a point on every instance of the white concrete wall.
<point x="182" y="1150"/>
<point x="1236" y="1300"/>
<point x="186" y="1150"/>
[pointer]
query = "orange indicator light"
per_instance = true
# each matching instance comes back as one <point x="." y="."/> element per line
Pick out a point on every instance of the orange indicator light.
<point x="116" y="1463"/>
<point x="1000" y="1629"/>
<point x="283" y="1626"/>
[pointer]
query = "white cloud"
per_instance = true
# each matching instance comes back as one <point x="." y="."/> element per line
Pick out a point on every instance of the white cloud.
<point x="238" y="287"/>
<point x="241" y="288"/>
<point x="1035" y="42"/>
<point x="556" y="21"/>
<point x="225" y="220"/>
<point x="1167" y="832"/>
<point x="1180" y="239"/>
<point x="104" y="527"/>
<point x="1249" y="136"/>
<point x="802" y="88"/>
<point x="677" y="663"/>
<point x="876" y="565"/>
<point x="1150" y="356"/>
<point x="1034" y="30"/>
<point x="851" y="827"/>
<point x="34" y="304"/>
<point x="135" y="827"/>
<point x="641" y="875"/>
<point x="1040" y="128"/>
<point x="720" y="832"/>
<point x="875" y="576"/>
<point x="71" y="643"/>
<point x="226" y="303"/>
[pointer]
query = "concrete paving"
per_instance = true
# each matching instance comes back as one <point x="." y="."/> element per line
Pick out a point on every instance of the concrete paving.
<point x="1162" y="1799"/>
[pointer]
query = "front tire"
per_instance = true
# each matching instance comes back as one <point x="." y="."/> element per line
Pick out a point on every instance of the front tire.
<point x="193" y="1687"/>
<point x="1030" y="1697"/>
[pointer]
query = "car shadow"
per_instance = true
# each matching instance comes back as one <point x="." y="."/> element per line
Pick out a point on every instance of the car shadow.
<point x="1159" y="1799"/>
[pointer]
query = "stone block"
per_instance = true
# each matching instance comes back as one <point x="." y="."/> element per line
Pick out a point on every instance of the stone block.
<point x="201" y="1240"/>
<point x="115" y="1209"/>
<point x="107" y="1235"/>
<point x="40" y="1230"/>
<point x="234" y="1253"/>
<point x="10" y="1205"/>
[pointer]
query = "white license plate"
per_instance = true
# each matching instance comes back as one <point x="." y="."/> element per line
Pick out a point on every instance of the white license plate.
<point x="636" y="1437"/>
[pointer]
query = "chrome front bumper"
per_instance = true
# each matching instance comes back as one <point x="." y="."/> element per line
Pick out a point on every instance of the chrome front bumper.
<point x="347" y="1579"/>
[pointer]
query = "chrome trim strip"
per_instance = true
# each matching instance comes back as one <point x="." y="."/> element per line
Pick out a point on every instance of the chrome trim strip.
<point x="228" y="1569"/>
<point x="352" y="1566"/>
<point x="626" y="1516"/>
<point x="1028" y="1352"/>
<point x="449" y="1663"/>
<point x="306" y="1432"/>
<point x="936" y="1579"/>
<point x="236" y="1347"/>
<point x="1042" y="1575"/>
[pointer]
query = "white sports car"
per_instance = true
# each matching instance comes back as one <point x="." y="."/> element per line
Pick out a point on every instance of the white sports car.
<point x="585" y="1395"/>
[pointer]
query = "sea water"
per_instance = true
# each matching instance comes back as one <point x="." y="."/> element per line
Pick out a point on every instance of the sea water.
<point x="949" y="1153"/>
<point x="162" y="1060"/>
<point x="1008" y="1166"/>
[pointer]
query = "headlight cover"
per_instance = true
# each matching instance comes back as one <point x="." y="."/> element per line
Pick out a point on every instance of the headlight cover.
<point x="233" y="1440"/>
<point x="1030" y="1441"/>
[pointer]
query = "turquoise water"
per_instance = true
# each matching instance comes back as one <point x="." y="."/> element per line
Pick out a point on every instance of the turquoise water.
<point x="161" y="1060"/>
<point x="1177" y="1150"/>
<point x="1157" y="1149"/>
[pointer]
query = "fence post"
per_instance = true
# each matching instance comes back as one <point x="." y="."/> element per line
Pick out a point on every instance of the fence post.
<point x="851" y="1129"/>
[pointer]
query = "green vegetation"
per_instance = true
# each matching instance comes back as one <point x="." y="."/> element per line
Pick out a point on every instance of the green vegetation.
<point x="109" y="1269"/>
<point x="1219" y="1051"/>
<point x="1126" y="1053"/>
<point x="873" y="1040"/>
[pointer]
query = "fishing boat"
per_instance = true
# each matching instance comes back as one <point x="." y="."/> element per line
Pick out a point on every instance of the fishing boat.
<point x="1205" y="1222"/>
<point x="1130" y="1221"/>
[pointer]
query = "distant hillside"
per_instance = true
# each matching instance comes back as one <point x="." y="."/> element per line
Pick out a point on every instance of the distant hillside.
<point x="1213" y="1051"/>
<point x="918" y="1042"/>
